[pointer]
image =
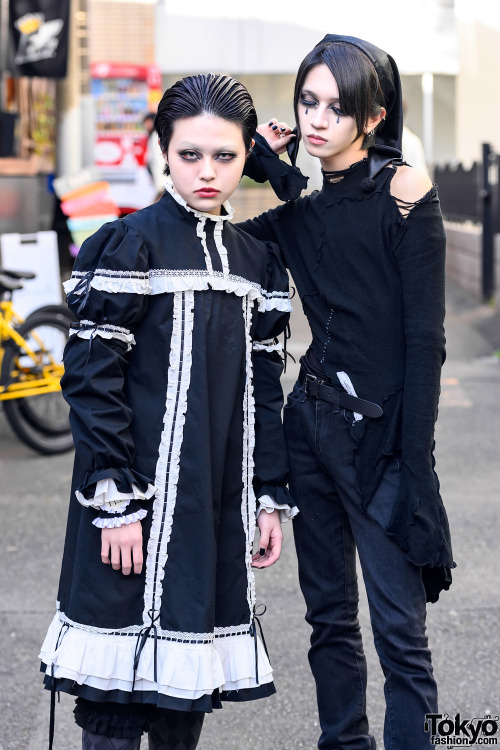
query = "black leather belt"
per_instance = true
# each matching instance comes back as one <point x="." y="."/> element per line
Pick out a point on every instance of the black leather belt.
<point x="317" y="388"/>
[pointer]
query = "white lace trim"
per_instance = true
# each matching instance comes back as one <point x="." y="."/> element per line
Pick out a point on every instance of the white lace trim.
<point x="346" y="383"/>
<point x="248" y="503"/>
<point x="165" y="281"/>
<point x="279" y="293"/>
<point x="169" y="187"/>
<point x="184" y="670"/>
<point x="114" y="523"/>
<point x="221" y="249"/>
<point x="201" y="234"/>
<point x="105" y="330"/>
<point x="268" y="345"/>
<point x="268" y="504"/>
<point x="167" y="468"/>
<point x="170" y="635"/>
<point x="107" y="496"/>
<point x="199" y="279"/>
<point x="104" y="280"/>
<point x="283" y="305"/>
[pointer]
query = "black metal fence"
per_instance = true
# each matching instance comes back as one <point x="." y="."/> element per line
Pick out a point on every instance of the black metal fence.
<point x="474" y="195"/>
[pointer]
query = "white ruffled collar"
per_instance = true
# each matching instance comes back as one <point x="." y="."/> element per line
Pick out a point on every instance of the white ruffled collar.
<point x="169" y="187"/>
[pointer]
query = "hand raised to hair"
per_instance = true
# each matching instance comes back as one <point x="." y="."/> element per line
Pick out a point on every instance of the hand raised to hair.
<point x="277" y="134"/>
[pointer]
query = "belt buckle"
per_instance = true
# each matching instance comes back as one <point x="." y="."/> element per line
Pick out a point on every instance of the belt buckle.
<point x="312" y="385"/>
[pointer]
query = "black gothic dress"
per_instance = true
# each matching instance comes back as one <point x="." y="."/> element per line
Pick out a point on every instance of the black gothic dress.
<point x="172" y="375"/>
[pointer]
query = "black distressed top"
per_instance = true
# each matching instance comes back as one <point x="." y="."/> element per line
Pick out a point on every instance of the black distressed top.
<point x="371" y="283"/>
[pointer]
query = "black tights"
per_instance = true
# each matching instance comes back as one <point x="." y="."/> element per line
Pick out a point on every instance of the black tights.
<point x="174" y="730"/>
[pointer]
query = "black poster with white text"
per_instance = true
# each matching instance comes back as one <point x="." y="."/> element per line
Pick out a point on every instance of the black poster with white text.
<point x="39" y="37"/>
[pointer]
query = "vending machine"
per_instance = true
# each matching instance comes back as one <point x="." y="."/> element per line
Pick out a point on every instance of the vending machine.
<point x="122" y="94"/>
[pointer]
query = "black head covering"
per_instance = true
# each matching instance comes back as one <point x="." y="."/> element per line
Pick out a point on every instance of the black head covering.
<point x="387" y="145"/>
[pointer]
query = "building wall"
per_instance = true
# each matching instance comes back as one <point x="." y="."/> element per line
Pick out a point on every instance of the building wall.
<point x="121" y="32"/>
<point x="444" y="104"/>
<point x="464" y="257"/>
<point x="478" y="101"/>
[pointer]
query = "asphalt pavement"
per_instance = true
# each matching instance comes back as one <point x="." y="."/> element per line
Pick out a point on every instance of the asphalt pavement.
<point x="463" y="626"/>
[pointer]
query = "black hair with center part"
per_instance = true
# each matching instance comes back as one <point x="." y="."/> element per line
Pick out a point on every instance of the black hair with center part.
<point x="207" y="94"/>
<point x="360" y="93"/>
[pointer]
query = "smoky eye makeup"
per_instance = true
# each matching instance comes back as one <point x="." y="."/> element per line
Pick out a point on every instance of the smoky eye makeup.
<point x="335" y="108"/>
<point x="226" y="156"/>
<point x="188" y="154"/>
<point x="308" y="101"/>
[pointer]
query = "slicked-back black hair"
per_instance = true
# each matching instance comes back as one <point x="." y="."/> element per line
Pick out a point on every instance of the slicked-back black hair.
<point x="210" y="94"/>
<point x="360" y="93"/>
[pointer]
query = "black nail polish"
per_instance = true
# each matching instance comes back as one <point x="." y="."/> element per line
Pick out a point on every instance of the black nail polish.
<point x="270" y="123"/>
<point x="282" y="129"/>
<point x="274" y="127"/>
<point x="262" y="552"/>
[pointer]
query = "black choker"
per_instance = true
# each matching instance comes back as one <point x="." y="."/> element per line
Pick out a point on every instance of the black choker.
<point x="339" y="175"/>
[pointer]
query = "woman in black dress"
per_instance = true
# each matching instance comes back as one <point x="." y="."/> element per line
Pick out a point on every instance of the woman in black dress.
<point x="172" y="374"/>
<point x="367" y="255"/>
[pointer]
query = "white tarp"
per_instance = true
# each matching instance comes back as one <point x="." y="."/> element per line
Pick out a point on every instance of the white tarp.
<point x="38" y="253"/>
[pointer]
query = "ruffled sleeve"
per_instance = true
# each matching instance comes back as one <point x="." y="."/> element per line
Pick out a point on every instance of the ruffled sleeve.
<point x="108" y="293"/>
<point x="270" y="456"/>
<point x="264" y="164"/>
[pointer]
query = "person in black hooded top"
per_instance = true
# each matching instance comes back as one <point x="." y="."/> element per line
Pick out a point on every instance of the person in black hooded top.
<point x="367" y="255"/>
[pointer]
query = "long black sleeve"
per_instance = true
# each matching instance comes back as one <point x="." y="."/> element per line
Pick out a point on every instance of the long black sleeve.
<point x="110" y="268"/>
<point x="270" y="455"/>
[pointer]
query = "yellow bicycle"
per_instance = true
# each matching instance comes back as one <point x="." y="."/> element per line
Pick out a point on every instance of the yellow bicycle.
<point x="31" y="353"/>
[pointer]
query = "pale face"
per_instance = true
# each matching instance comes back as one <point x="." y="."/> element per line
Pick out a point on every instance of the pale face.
<point x="206" y="156"/>
<point x="326" y="132"/>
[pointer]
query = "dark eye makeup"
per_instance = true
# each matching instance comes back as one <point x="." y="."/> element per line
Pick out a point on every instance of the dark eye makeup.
<point x="192" y="155"/>
<point x="308" y="103"/>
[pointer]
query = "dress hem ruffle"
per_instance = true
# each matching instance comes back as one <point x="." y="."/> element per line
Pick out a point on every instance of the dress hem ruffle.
<point x="206" y="704"/>
<point x="180" y="669"/>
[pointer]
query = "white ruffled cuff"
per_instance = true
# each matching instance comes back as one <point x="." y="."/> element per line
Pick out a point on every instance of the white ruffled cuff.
<point x="107" y="496"/>
<point x="268" y="345"/>
<point x="267" y="503"/>
<point x="113" y="523"/>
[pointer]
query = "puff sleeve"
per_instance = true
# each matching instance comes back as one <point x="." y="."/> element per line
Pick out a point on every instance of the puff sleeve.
<point x="108" y="293"/>
<point x="270" y="456"/>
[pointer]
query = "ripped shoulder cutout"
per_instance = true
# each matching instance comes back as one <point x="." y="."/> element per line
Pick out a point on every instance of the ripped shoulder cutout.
<point x="409" y="187"/>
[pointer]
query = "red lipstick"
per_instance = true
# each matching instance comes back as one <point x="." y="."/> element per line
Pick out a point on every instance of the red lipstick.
<point x="207" y="192"/>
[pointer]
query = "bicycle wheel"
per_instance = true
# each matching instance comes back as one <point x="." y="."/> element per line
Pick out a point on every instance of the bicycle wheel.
<point x="59" y="310"/>
<point x="41" y="421"/>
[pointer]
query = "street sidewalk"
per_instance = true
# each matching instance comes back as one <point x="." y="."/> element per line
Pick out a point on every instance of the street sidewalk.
<point x="463" y="625"/>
